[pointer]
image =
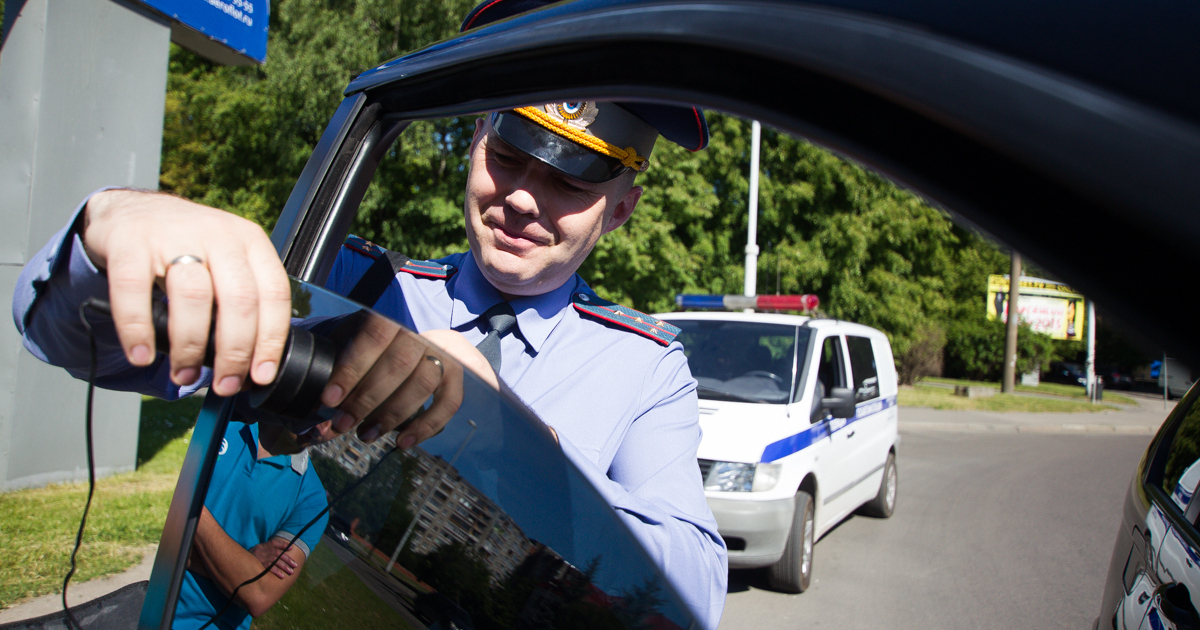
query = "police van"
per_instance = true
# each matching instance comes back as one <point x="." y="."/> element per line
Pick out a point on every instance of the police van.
<point x="799" y="417"/>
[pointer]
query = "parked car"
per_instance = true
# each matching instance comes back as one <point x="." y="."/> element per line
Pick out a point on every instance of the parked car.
<point x="1177" y="380"/>
<point x="1154" y="574"/>
<point x="799" y="417"/>
<point x="1114" y="378"/>
<point x="1064" y="372"/>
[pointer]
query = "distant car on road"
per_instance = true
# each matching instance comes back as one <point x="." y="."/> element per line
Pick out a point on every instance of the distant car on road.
<point x="799" y="419"/>
<point x="1064" y="372"/>
<point x="1114" y="378"/>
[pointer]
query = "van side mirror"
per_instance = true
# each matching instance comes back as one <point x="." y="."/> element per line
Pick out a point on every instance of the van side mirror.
<point x="839" y="402"/>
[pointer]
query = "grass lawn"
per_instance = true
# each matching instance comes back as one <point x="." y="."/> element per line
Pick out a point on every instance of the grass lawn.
<point x="1056" y="389"/>
<point x="329" y="595"/>
<point x="944" y="398"/>
<point x="127" y="513"/>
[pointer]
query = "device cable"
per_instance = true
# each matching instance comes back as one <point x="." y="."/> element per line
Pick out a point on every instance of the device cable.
<point x="72" y="622"/>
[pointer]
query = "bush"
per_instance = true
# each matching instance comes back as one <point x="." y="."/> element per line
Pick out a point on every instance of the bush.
<point x="923" y="355"/>
<point x="975" y="349"/>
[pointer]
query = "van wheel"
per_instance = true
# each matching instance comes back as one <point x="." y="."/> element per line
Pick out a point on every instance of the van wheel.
<point x="884" y="503"/>
<point x="794" y="569"/>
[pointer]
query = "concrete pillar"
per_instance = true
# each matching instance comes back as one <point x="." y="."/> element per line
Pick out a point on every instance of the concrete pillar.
<point x="82" y="90"/>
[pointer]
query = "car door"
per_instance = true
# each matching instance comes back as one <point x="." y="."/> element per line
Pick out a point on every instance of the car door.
<point x="1162" y="574"/>
<point x="489" y="511"/>
<point x="866" y="438"/>
<point x="836" y="470"/>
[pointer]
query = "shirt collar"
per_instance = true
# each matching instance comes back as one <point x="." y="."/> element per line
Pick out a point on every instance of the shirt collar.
<point x="537" y="315"/>
<point x="298" y="461"/>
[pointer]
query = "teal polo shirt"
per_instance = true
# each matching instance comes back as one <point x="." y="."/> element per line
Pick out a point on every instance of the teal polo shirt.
<point x="253" y="500"/>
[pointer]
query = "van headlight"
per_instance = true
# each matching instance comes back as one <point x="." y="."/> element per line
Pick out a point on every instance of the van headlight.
<point x="742" y="477"/>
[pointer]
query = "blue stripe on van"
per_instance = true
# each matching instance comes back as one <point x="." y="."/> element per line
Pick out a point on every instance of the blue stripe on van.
<point x="804" y="439"/>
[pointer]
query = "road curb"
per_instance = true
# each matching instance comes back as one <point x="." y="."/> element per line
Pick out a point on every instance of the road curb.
<point x="1046" y="429"/>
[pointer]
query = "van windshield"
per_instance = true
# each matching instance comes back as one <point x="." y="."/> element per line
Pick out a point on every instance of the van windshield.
<point x="741" y="361"/>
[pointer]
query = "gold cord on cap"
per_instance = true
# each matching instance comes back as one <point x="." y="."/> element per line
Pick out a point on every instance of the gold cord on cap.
<point x="628" y="156"/>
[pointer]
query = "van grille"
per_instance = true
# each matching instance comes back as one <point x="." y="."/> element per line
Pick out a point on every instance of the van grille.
<point x="705" y="466"/>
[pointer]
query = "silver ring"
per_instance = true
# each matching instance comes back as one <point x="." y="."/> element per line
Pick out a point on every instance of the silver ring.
<point x="185" y="259"/>
<point x="437" y="362"/>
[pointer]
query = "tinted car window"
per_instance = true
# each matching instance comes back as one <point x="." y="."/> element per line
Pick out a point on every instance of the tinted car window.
<point x="741" y="361"/>
<point x="862" y="366"/>
<point x="830" y="372"/>
<point x="485" y="525"/>
<point x="1180" y="473"/>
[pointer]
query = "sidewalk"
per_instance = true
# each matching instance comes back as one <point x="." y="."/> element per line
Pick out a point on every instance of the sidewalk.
<point x="80" y="592"/>
<point x="1143" y="419"/>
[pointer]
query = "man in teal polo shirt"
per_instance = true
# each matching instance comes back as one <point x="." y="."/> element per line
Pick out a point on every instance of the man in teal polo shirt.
<point x="262" y="494"/>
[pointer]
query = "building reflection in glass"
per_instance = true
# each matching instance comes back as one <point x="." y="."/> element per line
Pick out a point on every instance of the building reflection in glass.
<point x="466" y="564"/>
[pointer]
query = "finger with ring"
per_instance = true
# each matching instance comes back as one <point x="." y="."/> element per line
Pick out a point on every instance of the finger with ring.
<point x="185" y="259"/>
<point x="436" y="361"/>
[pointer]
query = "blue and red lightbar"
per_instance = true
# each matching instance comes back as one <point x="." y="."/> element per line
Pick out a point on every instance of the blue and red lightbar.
<point x="756" y="302"/>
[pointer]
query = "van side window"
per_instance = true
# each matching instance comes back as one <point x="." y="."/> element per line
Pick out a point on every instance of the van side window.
<point x="831" y="372"/>
<point x="862" y="365"/>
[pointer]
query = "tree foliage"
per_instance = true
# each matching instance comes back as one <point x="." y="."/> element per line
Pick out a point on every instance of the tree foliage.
<point x="237" y="138"/>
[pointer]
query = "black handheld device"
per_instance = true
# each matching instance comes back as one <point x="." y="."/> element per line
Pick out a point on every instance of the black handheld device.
<point x="304" y="370"/>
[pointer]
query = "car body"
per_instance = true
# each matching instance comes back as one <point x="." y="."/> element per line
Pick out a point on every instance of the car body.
<point x="1177" y="379"/>
<point x="769" y="435"/>
<point x="1154" y="574"/>
<point x="1113" y="377"/>
<point x="1065" y="372"/>
<point x="1025" y="120"/>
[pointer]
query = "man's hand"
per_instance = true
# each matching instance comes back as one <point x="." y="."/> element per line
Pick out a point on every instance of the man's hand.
<point x="387" y="373"/>
<point x="382" y="379"/>
<point x="135" y="236"/>
<point x="271" y="555"/>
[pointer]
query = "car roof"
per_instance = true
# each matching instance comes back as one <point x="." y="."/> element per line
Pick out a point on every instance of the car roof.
<point x="1069" y="131"/>
<point x="736" y="316"/>
<point x="773" y="318"/>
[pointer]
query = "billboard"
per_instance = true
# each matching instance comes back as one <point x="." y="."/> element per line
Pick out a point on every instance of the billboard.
<point x="1047" y="306"/>
<point x="237" y="25"/>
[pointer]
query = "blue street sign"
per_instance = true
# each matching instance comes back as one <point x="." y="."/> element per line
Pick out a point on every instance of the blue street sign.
<point x="240" y="25"/>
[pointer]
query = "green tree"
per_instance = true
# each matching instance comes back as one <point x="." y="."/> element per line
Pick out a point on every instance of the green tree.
<point x="237" y="138"/>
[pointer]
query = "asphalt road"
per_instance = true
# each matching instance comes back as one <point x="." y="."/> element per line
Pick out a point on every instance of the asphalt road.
<point x="991" y="530"/>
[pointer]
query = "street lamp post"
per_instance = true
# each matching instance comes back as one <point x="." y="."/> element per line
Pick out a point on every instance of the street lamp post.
<point x="751" y="279"/>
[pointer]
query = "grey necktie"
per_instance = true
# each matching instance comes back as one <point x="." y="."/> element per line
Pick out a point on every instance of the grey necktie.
<point x="501" y="320"/>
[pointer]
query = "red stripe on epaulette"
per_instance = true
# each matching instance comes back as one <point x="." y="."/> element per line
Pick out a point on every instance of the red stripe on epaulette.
<point x="429" y="269"/>
<point x="641" y="323"/>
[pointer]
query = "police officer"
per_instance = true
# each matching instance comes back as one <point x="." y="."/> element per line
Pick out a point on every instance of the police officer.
<point x="545" y="183"/>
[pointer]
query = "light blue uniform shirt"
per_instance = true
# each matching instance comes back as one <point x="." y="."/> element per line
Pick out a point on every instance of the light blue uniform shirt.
<point x="623" y="405"/>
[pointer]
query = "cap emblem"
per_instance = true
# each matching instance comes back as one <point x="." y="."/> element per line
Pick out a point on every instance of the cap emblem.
<point x="578" y="115"/>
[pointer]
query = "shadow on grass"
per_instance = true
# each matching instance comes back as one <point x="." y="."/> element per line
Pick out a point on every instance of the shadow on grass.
<point x="164" y="422"/>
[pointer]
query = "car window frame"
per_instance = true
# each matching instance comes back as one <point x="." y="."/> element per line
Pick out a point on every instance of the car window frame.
<point x="429" y="86"/>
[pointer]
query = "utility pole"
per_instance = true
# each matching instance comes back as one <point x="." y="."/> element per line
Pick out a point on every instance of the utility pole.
<point x="751" y="284"/>
<point x="1091" y="350"/>
<point x="1008" y="385"/>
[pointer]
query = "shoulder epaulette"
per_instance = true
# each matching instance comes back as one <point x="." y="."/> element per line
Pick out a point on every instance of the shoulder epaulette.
<point x="429" y="269"/>
<point x="624" y="317"/>
<point x="424" y="268"/>
<point x="364" y="247"/>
